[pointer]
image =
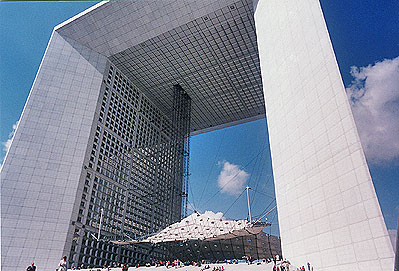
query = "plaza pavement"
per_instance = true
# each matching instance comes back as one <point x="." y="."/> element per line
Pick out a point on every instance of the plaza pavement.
<point x="227" y="267"/>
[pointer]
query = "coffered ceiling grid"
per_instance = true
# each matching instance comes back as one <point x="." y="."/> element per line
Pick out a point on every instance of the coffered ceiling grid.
<point x="214" y="58"/>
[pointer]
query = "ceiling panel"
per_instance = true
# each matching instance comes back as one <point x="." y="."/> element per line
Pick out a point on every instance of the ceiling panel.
<point x="214" y="58"/>
<point x="208" y="47"/>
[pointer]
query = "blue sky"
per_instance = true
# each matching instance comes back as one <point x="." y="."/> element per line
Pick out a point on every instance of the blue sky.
<point x="362" y="32"/>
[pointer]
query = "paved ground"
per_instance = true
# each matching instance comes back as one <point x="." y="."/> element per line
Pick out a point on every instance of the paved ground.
<point x="227" y="267"/>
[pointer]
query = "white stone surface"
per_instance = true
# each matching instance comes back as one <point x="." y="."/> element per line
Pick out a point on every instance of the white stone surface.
<point x="328" y="210"/>
<point x="40" y="174"/>
<point x="118" y="26"/>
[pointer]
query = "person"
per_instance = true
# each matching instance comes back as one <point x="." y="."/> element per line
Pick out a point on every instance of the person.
<point x="62" y="266"/>
<point x="31" y="267"/>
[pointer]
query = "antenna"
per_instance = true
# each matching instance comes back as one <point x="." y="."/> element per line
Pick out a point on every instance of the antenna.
<point x="101" y="220"/>
<point x="249" y="206"/>
<point x="99" y="227"/>
<point x="95" y="237"/>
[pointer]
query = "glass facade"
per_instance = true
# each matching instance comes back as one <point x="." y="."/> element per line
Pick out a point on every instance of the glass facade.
<point x="134" y="174"/>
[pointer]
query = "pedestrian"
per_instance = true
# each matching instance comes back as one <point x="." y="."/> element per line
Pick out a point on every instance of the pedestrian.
<point x="62" y="265"/>
<point x="31" y="267"/>
<point x="308" y="266"/>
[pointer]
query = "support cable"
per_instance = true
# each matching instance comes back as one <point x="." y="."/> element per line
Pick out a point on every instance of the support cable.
<point x="234" y="202"/>
<point x="266" y="214"/>
<point x="217" y="192"/>
<point x="264" y="194"/>
<point x="255" y="167"/>
<point x="257" y="182"/>
<point x="213" y="164"/>
<point x="270" y="232"/>
<point x="267" y="208"/>
<point x="192" y="196"/>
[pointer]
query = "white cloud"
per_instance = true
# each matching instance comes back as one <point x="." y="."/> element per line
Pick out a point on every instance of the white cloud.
<point x="212" y="215"/>
<point x="232" y="179"/>
<point x="392" y="235"/>
<point x="7" y="144"/>
<point x="374" y="97"/>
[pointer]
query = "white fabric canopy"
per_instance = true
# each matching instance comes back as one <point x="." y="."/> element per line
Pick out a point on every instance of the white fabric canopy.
<point x="197" y="226"/>
<point x="208" y="227"/>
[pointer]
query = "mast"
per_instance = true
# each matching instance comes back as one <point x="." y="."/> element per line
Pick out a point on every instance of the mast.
<point x="249" y="206"/>
<point x="101" y="220"/>
<point x="397" y="250"/>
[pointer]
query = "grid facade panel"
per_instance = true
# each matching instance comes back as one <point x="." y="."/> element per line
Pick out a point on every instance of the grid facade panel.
<point x="133" y="186"/>
<point x="214" y="58"/>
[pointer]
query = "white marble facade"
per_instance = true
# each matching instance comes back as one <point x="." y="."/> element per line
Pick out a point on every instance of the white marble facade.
<point x="41" y="172"/>
<point x="329" y="213"/>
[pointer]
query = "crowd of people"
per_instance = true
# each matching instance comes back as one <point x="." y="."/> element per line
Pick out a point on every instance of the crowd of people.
<point x="302" y="268"/>
<point x="285" y="265"/>
<point x="278" y="264"/>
